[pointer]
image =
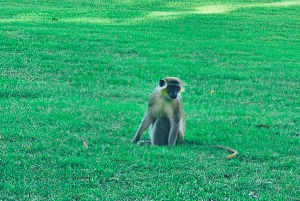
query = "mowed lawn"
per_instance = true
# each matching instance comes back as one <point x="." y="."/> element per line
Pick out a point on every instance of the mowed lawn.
<point x="76" y="75"/>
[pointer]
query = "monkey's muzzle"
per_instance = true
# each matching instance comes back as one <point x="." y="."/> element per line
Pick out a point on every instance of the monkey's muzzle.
<point x="173" y="91"/>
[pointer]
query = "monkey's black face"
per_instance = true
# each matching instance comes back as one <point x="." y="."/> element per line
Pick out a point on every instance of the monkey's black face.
<point x="173" y="91"/>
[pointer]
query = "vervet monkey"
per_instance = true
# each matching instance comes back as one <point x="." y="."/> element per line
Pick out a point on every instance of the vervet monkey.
<point x="166" y="116"/>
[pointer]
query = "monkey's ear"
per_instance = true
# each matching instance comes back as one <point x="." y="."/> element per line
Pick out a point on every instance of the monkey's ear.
<point x="162" y="83"/>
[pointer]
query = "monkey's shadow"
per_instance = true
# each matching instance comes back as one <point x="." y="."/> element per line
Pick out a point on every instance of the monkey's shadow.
<point x="185" y="143"/>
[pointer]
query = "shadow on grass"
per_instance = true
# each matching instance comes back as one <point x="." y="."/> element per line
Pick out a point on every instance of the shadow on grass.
<point x="16" y="94"/>
<point x="153" y="15"/>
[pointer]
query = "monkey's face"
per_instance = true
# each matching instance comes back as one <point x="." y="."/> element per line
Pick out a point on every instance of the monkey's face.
<point x="173" y="90"/>
<point x="170" y="89"/>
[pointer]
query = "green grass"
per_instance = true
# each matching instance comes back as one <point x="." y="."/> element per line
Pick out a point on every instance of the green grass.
<point x="86" y="78"/>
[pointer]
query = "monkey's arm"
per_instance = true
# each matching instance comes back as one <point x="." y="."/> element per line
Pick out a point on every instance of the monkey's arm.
<point x="144" y="125"/>
<point x="174" y="131"/>
<point x="173" y="136"/>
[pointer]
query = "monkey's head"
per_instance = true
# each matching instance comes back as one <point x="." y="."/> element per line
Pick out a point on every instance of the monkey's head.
<point x="171" y="87"/>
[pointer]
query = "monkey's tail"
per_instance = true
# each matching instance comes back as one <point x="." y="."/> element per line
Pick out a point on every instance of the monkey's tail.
<point x="233" y="151"/>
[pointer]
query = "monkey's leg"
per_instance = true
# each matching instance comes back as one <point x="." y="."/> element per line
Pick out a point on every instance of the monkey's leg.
<point x="181" y="130"/>
<point x="159" y="132"/>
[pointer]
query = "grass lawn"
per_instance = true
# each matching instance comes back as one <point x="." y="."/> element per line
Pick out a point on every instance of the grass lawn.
<point x="74" y="90"/>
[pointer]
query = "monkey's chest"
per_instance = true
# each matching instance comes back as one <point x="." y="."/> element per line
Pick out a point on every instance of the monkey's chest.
<point x="161" y="108"/>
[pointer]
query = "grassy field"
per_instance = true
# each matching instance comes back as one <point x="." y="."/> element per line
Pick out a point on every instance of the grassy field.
<point x="74" y="90"/>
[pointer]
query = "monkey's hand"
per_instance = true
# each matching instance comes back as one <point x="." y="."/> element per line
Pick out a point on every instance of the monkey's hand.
<point x="135" y="140"/>
<point x="144" y="142"/>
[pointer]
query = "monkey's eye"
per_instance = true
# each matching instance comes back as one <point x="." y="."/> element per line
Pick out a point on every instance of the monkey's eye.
<point x="162" y="83"/>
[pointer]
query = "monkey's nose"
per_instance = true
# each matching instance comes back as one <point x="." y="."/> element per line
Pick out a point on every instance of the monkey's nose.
<point x="173" y="95"/>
